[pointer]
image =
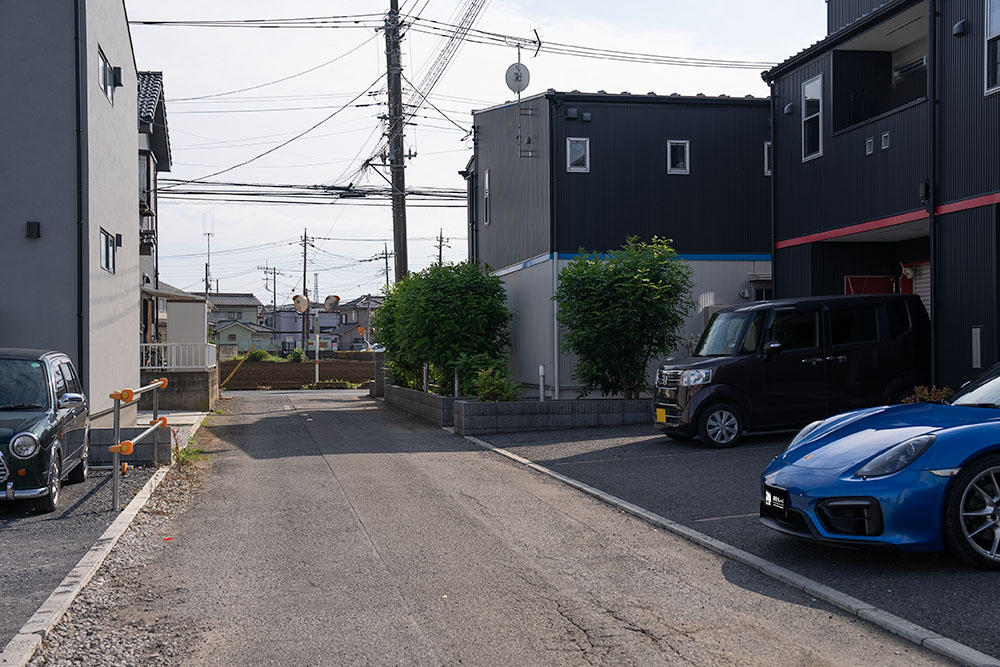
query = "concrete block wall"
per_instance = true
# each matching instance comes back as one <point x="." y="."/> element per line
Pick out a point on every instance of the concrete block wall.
<point x="195" y="391"/>
<point x="102" y="438"/>
<point x="438" y="410"/>
<point x="480" y="418"/>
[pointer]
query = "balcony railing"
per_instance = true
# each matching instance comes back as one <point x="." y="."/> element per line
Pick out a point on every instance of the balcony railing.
<point x="178" y="356"/>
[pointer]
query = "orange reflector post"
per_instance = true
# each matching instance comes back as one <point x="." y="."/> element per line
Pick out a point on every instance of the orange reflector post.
<point x="115" y="394"/>
<point x="163" y="383"/>
<point x="127" y="395"/>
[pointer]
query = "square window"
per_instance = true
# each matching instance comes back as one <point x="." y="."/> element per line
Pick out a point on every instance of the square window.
<point x="108" y="251"/>
<point x="678" y="157"/>
<point x="577" y="155"/>
<point x="812" y="118"/>
<point x="232" y="337"/>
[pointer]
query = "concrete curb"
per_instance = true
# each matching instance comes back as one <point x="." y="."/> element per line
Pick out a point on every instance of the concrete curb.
<point x="921" y="636"/>
<point x="20" y="649"/>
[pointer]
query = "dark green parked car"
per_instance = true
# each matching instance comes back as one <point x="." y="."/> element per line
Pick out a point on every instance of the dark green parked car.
<point x="44" y="426"/>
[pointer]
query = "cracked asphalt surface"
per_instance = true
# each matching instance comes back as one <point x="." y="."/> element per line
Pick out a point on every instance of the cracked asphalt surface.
<point x="717" y="492"/>
<point x="330" y="529"/>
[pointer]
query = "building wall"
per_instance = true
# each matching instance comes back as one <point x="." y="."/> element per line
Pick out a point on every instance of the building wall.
<point x="38" y="177"/>
<point x="239" y="313"/>
<point x="187" y="322"/>
<point x="721" y="206"/>
<point x="112" y="185"/>
<point x="519" y="216"/>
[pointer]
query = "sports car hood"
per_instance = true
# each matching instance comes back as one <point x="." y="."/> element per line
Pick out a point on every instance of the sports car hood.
<point x="850" y="439"/>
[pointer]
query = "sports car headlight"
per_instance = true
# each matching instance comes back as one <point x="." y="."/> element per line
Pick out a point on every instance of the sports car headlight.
<point x="696" y="376"/>
<point x="896" y="458"/>
<point x="801" y="435"/>
<point x="24" y="446"/>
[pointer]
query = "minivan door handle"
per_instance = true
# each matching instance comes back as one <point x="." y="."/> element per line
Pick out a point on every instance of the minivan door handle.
<point x="840" y="359"/>
<point x="812" y="361"/>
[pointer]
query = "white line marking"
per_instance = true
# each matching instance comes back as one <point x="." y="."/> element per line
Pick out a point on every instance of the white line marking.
<point x="728" y="516"/>
<point x="921" y="636"/>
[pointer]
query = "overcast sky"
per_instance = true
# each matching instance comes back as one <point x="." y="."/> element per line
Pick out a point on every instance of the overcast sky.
<point x="211" y="134"/>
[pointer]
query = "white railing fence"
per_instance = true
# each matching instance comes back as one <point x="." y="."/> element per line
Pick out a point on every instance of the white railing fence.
<point x="178" y="356"/>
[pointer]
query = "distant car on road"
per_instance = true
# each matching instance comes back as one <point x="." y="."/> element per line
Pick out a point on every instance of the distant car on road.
<point x="919" y="477"/>
<point x="44" y="426"/>
<point x="776" y="365"/>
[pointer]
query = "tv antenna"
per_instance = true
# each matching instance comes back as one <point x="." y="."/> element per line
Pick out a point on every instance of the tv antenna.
<point x="517" y="78"/>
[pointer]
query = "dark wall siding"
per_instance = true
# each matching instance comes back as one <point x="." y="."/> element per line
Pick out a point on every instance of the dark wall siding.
<point x="844" y="186"/>
<point x="519" y="188"/>
<point x="793" y="274"/>
<point x="966" y="292"/>
<point x="722" y="206"/>
<point x="840" y="13"/>
<point x="969" y="120"/>
<point x="833" y="261"/>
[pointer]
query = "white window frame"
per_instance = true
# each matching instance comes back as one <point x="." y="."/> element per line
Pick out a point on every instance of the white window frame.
<point x="768" y="159"/>
<point x="987" y="38"/>
<point x="818" y="115"/>
<point x="586" y="154"/>
<point x="486" y="197"/>
<point x="105" y="75"/>
<point x="687" y="156"/>
<point x="108" y="248"/>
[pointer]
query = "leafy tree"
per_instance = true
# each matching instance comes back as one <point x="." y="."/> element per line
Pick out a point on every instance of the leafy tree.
<point x="442" y="316"/>
<point x="622" y="311"/>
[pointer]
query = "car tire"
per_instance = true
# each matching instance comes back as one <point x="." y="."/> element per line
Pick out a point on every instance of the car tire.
<point x="972" y="513"/>
<point x="900" y="394"/>
<point x="80" y="473"/>
<point x="679" y="436"/>
<point x="720" y="425"/>
<point x="50" y="502"/>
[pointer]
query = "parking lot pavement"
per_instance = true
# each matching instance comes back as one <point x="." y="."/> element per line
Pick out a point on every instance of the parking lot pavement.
<point x="716" y="491"/>
<point x="39" y="550"/>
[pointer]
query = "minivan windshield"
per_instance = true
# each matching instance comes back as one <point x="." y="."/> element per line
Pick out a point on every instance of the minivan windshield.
<point x="724" y="335"/>
<point x="23" y="385"/>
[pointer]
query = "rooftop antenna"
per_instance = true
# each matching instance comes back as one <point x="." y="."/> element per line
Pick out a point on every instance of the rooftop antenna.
<point x="517" y="78"/>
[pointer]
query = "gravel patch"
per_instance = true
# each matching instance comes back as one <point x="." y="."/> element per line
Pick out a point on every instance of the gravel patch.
<point x="117" y="618"/>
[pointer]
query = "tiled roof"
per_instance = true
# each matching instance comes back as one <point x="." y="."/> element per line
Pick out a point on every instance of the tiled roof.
<point x="168" y="291"/>
<point x="252" y="326"/>
<point x="238" y="299"/>
<point x="150" y="92"/>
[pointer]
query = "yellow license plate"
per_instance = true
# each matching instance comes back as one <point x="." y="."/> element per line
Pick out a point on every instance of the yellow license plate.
<point x="661" y="415"/>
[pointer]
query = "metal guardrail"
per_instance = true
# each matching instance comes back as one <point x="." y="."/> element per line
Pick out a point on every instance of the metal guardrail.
<point x="177" y="356"/>
<point x="121" y="447"/>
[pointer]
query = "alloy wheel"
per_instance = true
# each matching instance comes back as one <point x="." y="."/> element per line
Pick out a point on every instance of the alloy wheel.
<point x="722" y="426"/>
<point x="980" y="513"/>
<point x="55" y="481"/>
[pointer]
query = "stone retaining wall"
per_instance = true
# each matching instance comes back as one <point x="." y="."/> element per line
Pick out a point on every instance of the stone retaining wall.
<point x="102" y="438"/>
<point x="480" y="418"/>
<point x="438" y="410"/>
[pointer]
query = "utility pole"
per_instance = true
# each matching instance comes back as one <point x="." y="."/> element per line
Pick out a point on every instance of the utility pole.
<point x="396" y="165"/>
<point x="385" y="251"/>
<point x="305" y="291"/>
<point x="208" y="231"/>
<point x="274" y="290"/>
<point x="441" y="245"/>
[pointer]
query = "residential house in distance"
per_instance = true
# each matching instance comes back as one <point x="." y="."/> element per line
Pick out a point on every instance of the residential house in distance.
<point x="233" y="319"/>
<point x="886" y="170"/>
<point x="354" y="331"/>
<point x="68" y="184"/>
<point x="346" y="329"/>
<point x="154" y="158"/>
<point x="564" y="171"/>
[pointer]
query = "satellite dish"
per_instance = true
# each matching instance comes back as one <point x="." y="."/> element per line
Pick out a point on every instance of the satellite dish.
<point x="517" y="77"/>
<point x="331" y="302"/>
<point x="301" y="303"/>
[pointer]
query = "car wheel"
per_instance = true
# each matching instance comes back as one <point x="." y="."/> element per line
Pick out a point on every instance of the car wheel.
<point x="972" y="513"/>
<point x="679" y="436"/>
<point x="720" y="425"/>
<point x="50" y="502"/>
<point x="79" y="474"/>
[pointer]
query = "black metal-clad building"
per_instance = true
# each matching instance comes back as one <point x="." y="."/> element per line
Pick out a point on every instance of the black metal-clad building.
<point x="886" y="137"/>
<point x="564" y="171"/>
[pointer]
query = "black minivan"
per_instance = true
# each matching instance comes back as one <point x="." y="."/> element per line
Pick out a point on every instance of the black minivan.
<point x="777" y="365"/>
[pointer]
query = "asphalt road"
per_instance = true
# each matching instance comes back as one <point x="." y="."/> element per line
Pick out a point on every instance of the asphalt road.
<point x="330" y="529"/>
<point x="37" y="550"/>
<point x="717" y="492"/>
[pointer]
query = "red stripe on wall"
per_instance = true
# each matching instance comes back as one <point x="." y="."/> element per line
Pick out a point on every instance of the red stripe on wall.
<point x="854" y="229"/>
<point x="963" y="205"/>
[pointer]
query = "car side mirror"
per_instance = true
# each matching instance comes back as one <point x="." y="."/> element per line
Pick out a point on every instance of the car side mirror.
<point x="772" y="348"/>
<point x="69" y="400"/>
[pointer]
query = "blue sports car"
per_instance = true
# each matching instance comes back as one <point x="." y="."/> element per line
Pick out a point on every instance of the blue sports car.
<point x="919" y="478"/>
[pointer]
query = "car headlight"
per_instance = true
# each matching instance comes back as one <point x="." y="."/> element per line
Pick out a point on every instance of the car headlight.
<point x="696" y="376"/>
<point x="24" y="446"/>
<point x="896" y="458"/>
<point x="801" y="435"/>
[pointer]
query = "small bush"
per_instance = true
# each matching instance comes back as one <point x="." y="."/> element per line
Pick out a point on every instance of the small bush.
<point x="296" y="356"/>
<point x="494" y="384"/>
<point x="262" y="355"/>
<point x="931" y="394"/>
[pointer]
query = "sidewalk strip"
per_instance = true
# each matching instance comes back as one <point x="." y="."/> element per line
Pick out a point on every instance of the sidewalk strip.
<point x="899" y="626"/>
<point x="20" y="649"/>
